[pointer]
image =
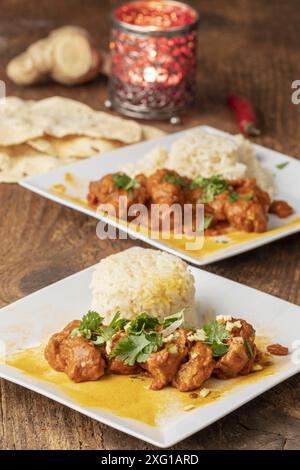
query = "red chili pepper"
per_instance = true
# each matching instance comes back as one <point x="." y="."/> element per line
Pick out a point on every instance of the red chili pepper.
<point x="245" y="114"/>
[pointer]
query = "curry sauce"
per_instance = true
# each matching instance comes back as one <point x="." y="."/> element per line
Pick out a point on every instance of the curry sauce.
<point x="211" y="244"/>
<point x="128" y="396"/>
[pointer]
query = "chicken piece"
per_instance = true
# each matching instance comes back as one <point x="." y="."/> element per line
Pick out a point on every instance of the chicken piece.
<point x="117" y="366"/>
<point x="238" y="359"/>
<point x="281" y="208"/>
<point x="163" y="365"/>
<point x="196" y="370"/>
<point x="83" y="361"/>
<point x="107" y="193"/>
<point x="214" y="208"/>
<point x="250" y="211"/>
<point x="245" y="331"/>
<point x="247" y="210"/>
<point x="233" y="362"/>
<point x="167" y="187"/>
<point x="247" y="216"/>
<point x="218" y="206"/>
<point x="53" y="349"/>
<point x="75" y="356"/>
<point x="248" y="188"/>
<point x="193" y="196"/>
<point x="168" y="192"/>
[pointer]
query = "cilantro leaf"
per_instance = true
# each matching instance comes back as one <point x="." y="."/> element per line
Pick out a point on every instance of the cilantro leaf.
<point x="92" y="320"/>
<point x="169" y="178"/>
<point x="216" y="335"/>
<point x="211" y="187"/>
<point x="104" y="334"/>
<point x="142" y="339"/>
<point x="233" y="196"/>
<point x="249" y="196"/>
<point x="118" y="323"/>
<point x="249" y="348"/>
<point x="125" y="182"/>
<point x="207" y="220"/>
<point x="142" y="322"/>
<point x="219" y="349"/>
<point x="89" y="325"/>
<point x="129" y="348"/>
<point x="282" y="165"/>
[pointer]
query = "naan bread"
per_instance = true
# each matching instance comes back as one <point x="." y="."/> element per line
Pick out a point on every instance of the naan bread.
<point x="17" y="164"/>
<point x="37" y="136"/>
<point x="61" y="117"/>
<point x="73" y="146"/>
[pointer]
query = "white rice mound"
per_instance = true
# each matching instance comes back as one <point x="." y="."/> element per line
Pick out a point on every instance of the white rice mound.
<point x="143" y="280"/>
<point x="199" y="153"/>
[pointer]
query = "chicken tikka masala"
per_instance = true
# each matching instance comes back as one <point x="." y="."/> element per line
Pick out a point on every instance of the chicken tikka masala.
<point x="228" y="204"/>
<point x="170" y="354"/>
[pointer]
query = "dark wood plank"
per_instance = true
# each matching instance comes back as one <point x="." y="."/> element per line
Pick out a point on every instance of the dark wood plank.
<point x="246" y="46"/>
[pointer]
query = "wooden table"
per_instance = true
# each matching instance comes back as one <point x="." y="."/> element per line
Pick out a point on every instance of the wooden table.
<point x="246" y="46"/>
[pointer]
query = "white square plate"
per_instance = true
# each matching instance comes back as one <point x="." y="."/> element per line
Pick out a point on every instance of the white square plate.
<point x="287" y="183"/>
<point x="30" y="321"/>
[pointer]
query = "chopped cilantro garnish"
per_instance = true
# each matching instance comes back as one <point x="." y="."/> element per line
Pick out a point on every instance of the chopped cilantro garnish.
<point x="233" y="196"/>
<point x="248" y="347"/>
<point x="142" y="322"/>
<point x="216" y="335"/>
<point x="282" y="165"/>
<point x="211" y="187"/>
<point x="249" y="196"/>
<point x="91" y="327"/>
<point x="144" y="335"/>
<point x="207" y="220"/>
<point x="142" y="339"/>
<point x="125" y="182"/>
<point x="219" y="349"/>
<point x="129" y="348"/>
<point x="136" y="347"/>
<point x="169" y="178"/>
<point x="118" y="323"/>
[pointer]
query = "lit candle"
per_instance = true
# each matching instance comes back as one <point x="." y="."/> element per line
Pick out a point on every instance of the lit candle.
<point x="153" y="55"/>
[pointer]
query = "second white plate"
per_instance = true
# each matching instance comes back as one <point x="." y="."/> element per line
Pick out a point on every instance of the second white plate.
<point x="69" y="186"/>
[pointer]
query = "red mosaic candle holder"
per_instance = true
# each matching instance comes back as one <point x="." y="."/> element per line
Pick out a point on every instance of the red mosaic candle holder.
<point x="153" y="57"/>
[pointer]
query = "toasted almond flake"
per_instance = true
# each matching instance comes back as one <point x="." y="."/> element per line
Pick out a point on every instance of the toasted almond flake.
<point x="83" y="364"/>
<point x="257" y="367"/>
<point x="188" y="408"/>
<point x="224" y="318"/>
<point x="229" y="326"/>
<point x="199" y="335"/>
<point x="194" y="355"/>
<point x="169" y="338"/>
<point x="204" y="392"/>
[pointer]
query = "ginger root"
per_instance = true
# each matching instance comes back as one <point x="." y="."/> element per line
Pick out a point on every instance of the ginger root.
<point x="67" y="55"/>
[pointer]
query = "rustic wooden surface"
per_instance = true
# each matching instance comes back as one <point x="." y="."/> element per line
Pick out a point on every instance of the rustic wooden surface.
<point x="246" y="46"/>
